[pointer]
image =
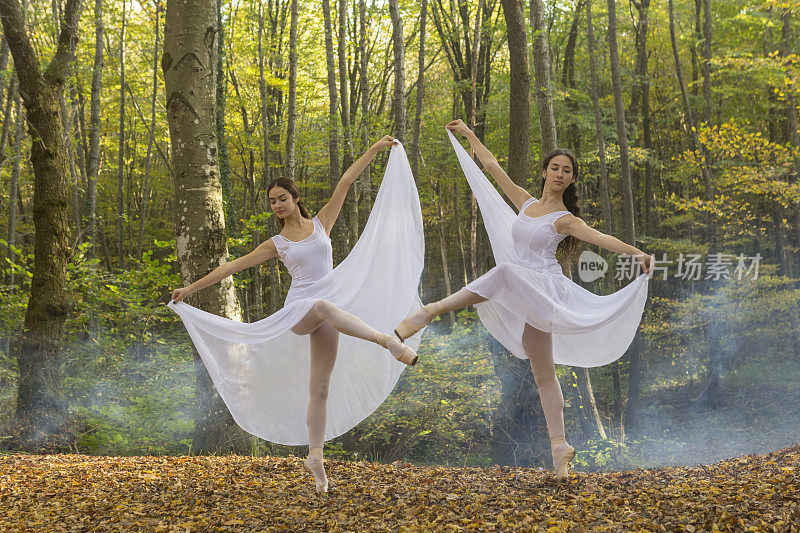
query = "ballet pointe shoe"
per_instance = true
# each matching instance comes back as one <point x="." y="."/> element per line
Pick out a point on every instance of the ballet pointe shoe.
<point x="406" y="354"/>
<point x="314" y="465"/>
<point x="562" y="453"/>
<point x="406" y="329"/>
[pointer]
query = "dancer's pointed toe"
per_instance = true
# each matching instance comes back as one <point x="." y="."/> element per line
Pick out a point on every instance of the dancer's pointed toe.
<point x="563" y="454"/>
<point x="399" y="351"/>
<point x="314" y="465"/>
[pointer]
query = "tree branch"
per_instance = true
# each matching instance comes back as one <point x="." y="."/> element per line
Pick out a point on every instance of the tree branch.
<point x="25" y="61"/>
<point x="58" y="68"/>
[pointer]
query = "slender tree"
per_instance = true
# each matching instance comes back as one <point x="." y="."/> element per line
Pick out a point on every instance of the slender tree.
<point x="399" y="50"/>
<point x="151" y="137"/>
<point x="420" y="90"/>
<point x="222" y="148"/>
<point x="364" y="82"/>
<point x="121" y="151"/>
<point x="93" y="164"/>
<point x="541" y="66"/>
<point x="291" y="119"/>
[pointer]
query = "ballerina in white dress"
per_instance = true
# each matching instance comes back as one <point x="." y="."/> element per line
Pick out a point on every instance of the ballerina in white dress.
<point x="525" y="301"/>
<point x="262" y="369"/>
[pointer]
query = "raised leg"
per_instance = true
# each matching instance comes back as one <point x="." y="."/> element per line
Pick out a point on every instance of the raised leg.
<point x="343" y="322"/>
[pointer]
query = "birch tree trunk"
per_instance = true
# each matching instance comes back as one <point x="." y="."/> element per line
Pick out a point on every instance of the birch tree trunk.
<point x="189" y="63"/>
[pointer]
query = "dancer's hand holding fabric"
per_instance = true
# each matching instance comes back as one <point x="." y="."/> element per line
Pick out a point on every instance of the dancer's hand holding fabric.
<point x="180" y="294"/>
<point x="458" y="126"/>
<point x="330" y="211"/>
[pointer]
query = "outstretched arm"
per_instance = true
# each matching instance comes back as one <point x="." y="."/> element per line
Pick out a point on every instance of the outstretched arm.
<point x="518" y="195"/>
<point x="577" y="227"/>
<point x="265" y="250"/>
<point x="330" y="211"/>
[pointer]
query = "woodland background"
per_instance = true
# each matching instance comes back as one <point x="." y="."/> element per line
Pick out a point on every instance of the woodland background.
<point x="136" y="166"/>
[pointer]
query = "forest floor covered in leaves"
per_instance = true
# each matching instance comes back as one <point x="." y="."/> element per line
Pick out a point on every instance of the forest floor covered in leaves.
<point x="236" y="493"/>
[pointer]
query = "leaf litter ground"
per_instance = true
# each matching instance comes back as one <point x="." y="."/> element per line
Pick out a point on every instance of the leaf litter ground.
<point x="236" y="493"/>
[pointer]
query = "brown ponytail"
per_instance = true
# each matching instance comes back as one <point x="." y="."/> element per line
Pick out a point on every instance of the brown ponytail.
<point x="291" y="188"/>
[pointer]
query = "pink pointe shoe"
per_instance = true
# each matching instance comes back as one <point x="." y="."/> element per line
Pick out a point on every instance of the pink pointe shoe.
<point x="404" y="354"/>
<point x="314" y="466"/>
<point x="562" y="453"/>
<point x="407" y="328"/>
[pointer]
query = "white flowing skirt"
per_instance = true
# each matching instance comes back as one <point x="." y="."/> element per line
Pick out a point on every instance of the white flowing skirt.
<point x="588" y="329"/>
<point x="261" y="369"/>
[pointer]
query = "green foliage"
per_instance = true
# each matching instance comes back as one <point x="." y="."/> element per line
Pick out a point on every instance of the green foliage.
<point x="440" y="409"/>
<point x="601" y="454"/>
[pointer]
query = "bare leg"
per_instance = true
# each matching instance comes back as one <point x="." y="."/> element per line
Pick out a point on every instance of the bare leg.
<point x="324" y="342"/>
<point x="538" y="347"/>
<point x="343" y="322"/>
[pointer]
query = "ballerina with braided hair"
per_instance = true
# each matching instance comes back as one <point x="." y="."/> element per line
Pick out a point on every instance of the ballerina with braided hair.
<point x="526" y="302"/>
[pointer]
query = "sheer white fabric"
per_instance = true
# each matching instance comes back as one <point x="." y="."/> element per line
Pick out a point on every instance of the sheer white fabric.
<point x="261" y="369"/>
<point x="528" y="285"/>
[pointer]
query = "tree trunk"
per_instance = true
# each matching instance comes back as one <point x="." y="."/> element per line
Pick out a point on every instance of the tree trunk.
<point x="712" y="391"/>
<point x="189" y="64"/>
<point x="519" y="430"/>
<point x="265" y="158"/>
<point x="333" y="107"/>
<point x="151" y="137"/>
<point x="641" y="90"/>
<point x="420" y="91"/>
<point x="571" y="128"/>
<point x="13" y="186"/>
<point x="291" y="119"/>
<point x="605" y="198"/>
<point x="6" y="128"/>
<point x="93" y="165"/>
<point x="40" y="406"/>
<point x="519" y="104"/>
<point x="399" y="49"/>
<point x="222" y="142"/>
<point x="589" y="404"/>
<point x="121" y="152"/>
<point x="541" y="67"/>
<point x="794" y="139"/>
<point x="443" y="249"/>
<point x="344" y="98"/>
<point x="629" y="232"/>
<point x="365" y="122"/>
<point x="705" y="66"/>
